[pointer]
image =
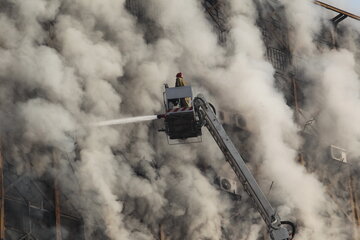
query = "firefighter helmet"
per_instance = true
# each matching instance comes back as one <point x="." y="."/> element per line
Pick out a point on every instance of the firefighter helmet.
<point x="179" y="75"/>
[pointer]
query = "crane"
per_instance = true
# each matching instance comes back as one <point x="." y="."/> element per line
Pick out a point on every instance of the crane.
<point x="183" y="122"/>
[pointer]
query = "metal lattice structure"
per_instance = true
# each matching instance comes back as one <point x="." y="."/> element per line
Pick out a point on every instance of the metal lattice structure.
<point x="31" y="207"/>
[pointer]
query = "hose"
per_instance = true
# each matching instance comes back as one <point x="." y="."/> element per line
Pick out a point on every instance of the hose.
<point x="205" y="102"/>
<point x="213" y="108"/>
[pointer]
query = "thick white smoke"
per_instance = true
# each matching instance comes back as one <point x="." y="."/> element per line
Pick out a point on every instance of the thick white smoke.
<point x="98" y="66"/>
<point x="304" y="22"/>
<point x="275" y="134"/>
<point x="336" y="94"/>
<point x="65" y="64"/>
<point x="332" y="95"/>
<point x="249" y="86"/>
<point x="74" y="80"/>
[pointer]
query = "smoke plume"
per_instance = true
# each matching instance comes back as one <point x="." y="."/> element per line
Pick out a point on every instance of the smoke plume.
<point x="66" y="64"/>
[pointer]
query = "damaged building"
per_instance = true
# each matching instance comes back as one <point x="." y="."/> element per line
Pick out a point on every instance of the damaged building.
<point x="34" y="205"/>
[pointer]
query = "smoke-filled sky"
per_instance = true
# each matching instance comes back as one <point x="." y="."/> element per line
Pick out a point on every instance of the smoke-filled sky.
<point x="66" y="64"/>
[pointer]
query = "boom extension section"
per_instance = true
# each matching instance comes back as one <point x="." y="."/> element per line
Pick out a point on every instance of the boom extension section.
<point x="208" y="118"/>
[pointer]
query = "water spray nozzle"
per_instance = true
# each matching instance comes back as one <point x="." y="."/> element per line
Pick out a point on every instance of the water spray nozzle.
<point x="159" y="116"/>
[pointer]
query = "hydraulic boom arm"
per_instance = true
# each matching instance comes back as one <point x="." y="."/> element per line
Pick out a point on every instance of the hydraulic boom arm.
<point x="267" y="212"/>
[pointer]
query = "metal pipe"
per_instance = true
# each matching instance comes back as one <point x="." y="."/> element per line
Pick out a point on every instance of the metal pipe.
<point x="57" y="200"/>
<point x="2" y="197"/>
<point x="327" y="6"/>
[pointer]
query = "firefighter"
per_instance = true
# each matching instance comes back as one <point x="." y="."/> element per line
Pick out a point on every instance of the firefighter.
<point x="180" y="82"/>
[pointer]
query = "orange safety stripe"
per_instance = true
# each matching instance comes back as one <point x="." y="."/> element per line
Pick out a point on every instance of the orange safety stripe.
<point x="180" y="109"/>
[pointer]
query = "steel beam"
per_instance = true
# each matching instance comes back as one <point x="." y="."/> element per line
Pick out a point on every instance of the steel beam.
<point x="354" y="206"/>
<point x="57" y="211"/>
<point x="327" y="6"/>
<point x="162" y="235"/>
<point x="2" y="197"/>
<point x="57" y="199"/>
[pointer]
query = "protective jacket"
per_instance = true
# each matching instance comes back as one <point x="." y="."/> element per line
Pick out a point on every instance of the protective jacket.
<point x="180" y="82"/>
<point x="184" y="102"/>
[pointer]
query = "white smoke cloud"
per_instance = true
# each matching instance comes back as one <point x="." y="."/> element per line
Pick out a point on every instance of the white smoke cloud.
<point x="331" y="99"/>
<point x="305" y="22"/>
<point x="74" y="83"/>
<point x="41" y="117"/>
<point x="275" y="134"/>
<point x="99" y="65"/>
<point x="336" y="93"/>
<point x="248" y="82"/>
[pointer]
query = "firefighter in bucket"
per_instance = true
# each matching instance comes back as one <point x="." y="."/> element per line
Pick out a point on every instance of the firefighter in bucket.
<point x="180" y="82"/>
